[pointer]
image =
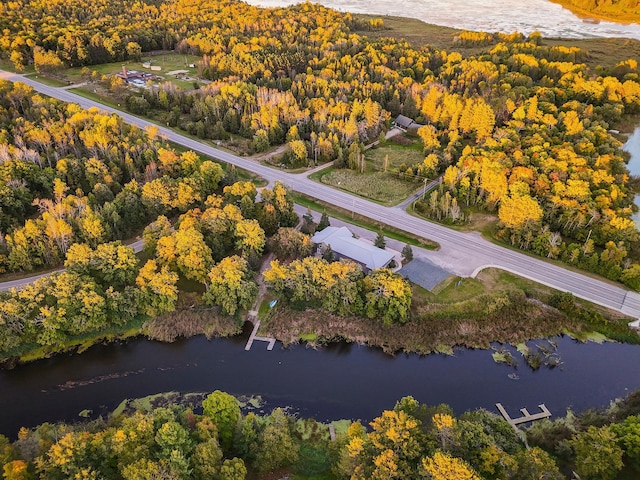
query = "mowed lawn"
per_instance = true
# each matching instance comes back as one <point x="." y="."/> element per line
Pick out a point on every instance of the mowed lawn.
<point x="381" y="187"/>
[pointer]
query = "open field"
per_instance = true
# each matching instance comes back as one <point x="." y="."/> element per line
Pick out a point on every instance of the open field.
<point x="398" y="154"/>
<point x="168" y="62"/>
<point x="382" y="187"/>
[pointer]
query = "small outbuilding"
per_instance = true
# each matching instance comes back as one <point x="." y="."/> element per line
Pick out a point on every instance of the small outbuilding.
<point x="344" y="245"/>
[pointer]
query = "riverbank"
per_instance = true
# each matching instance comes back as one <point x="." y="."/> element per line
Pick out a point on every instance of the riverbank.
<point x="471" y="313"/>
<point x="461" y="312"/>
<point x="185" y="322"/>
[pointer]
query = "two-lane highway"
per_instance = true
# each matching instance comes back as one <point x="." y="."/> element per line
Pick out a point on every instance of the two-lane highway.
<point x="468" y="250"/>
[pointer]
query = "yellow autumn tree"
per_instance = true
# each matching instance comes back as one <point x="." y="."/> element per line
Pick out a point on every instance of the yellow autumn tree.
<point x="516" y="211"/>
<point x="231" y="286"/>
<point x="442" y="466"/>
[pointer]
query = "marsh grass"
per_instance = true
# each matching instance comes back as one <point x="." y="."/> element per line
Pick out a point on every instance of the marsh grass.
<point x="191" y="322"/>
<point x="475" y="323"/>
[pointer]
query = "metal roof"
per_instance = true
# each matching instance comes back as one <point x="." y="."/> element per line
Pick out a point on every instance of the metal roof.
<point x="343" y="243"/>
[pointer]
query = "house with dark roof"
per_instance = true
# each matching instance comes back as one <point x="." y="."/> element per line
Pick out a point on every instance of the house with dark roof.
<point x="403" y="122"/>
<point x="344" y="245"/>
<point x="406" y="123"/>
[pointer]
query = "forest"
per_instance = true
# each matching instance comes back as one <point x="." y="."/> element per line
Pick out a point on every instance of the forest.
<point x="521" y="130"/>
<point x="211" y="437"/>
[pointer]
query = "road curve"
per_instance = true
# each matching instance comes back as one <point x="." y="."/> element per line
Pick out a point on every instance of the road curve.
<point x="469" y="249"/>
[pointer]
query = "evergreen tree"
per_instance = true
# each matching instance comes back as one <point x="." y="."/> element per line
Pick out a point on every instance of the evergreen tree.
<point x="324" y="222"/>
<point x="328" y="254"/>
<point x="407" y="253"/>
<point x="380" y="242"/>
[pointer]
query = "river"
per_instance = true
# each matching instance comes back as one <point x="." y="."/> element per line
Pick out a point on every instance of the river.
<point x="339" y="381"/>
<point x="550" y="19"/>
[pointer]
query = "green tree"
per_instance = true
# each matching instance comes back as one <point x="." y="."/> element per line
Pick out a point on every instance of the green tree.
<point x="628" y="433"/>
<point x="392" y="450"/>
<point x="173" y="436"/>
<point x="158" y="288"/>
<point x="277" y="448"/>
<point x="536" y="464"/>
<point x="207" y="460"/>
<point x="233" y="469"/>
<point x="324" y="222"/>
<point x="407" y="253"/>
<point x="289" y="243"/>
<point x="153" y="232"/>
<point x="328" y="254"/>
<point x="110" y="264"/>
<point x="224" y="410"/>
<point x="380" y="242"/>
<point x="598" y="455"/>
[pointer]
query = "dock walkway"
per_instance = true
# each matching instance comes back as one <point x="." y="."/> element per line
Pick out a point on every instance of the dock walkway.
<point x="256" y="325"/>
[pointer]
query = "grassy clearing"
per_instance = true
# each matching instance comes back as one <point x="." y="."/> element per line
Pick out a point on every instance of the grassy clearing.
<point x="364" y="222"/>
<point x="51" y="82"/>
<point x="380" y="187"/>
<point x="92" y="94"/>
<point x="168" y="62"/>
<point x="398" y="154"/>
<point x="496" y="307"/>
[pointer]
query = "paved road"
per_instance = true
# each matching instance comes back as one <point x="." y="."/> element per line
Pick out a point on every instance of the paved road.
<point x="462" y="253"/>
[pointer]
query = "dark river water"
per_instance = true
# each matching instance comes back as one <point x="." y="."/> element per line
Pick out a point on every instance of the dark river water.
<point x="339" y="381"/>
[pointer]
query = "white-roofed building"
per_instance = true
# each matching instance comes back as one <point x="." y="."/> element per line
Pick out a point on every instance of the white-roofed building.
<point x="344" y="245"/>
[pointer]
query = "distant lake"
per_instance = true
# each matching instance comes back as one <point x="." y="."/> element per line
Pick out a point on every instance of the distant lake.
<point x="632" y="146"/>
<point x="550" y="19"/>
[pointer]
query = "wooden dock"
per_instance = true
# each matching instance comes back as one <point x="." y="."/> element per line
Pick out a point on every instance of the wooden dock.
<point x="526" y="416"/>
<point x="270" y="341"/>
